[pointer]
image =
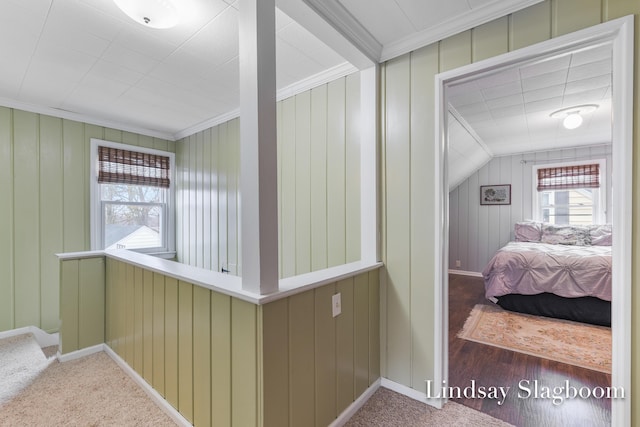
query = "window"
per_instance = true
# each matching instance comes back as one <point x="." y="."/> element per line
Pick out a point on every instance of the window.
<point x="570" y="193"/>
<point x="131" y="194"/>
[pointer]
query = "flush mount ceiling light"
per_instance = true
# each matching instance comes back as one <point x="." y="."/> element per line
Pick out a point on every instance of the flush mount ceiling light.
<point x="573" y="115"/>
<point x="150" y="13"/>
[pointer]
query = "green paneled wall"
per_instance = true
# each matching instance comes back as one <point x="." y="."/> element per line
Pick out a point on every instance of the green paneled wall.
<point x="82" y="297"/>
<point x="318" y="185"/>
<point x="408" y="142"/>
<point x="316" y="365"/>
<point x="177" y="336"/>
<point x="44" y="200"/>
<point x="223" y="361"/>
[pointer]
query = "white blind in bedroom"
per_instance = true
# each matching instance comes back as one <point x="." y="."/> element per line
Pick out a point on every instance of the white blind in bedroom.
<point x="569" y="177"/>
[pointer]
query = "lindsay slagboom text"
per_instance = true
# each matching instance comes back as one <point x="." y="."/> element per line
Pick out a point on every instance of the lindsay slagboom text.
<point x="526" y="389"/>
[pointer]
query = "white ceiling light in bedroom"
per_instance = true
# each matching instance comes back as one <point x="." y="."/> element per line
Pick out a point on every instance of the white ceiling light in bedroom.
<point x="573" y="115"/>
<point x="151" y="13"/>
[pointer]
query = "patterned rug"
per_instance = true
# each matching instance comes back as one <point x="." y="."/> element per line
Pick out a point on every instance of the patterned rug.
<point x="573" y="343"/>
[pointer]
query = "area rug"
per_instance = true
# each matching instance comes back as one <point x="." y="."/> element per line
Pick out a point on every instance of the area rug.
<point x="573" y="343"/>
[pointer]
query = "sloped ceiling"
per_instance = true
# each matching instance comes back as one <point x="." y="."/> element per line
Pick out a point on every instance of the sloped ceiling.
<point x="509" y="111"/>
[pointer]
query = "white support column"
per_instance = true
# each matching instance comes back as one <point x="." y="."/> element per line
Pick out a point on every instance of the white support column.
<point x="369" y="234"/>
<point x="258" y="159"/>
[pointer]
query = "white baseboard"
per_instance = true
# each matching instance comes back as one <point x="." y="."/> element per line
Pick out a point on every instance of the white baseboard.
<point x="151" y="392"/>
<point x="412" y="393"/>
<point x="43" y="338"/>
<point x="465" y="273"/>
<point x="353" y="408"/>
<point x="80" y="353"/>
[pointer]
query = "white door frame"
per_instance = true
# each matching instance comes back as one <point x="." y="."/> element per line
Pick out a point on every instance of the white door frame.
<point x="620" y="34"/>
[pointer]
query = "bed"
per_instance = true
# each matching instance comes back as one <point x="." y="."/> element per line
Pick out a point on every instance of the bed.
<point x="554" y="271"/>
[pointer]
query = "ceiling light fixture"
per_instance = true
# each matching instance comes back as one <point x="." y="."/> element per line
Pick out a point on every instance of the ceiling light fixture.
<point x="573" y="115"/>
<point x="151" y="13"/>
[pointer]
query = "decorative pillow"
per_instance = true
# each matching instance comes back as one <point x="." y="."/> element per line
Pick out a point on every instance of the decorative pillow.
<point x="528" y="231"/>
<point x="565" y="235"/>
<point x="600" y="235"/>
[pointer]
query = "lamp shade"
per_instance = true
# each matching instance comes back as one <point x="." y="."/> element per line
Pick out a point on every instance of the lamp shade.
<point x="151" y="13"/>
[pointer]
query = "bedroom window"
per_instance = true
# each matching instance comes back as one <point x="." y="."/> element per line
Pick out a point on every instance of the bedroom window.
<point x="131" y="198"/>
<point x="570" y="193"/>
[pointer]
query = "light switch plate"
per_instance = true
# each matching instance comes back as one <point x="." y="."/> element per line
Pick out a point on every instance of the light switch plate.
<point x="336" y="305"/>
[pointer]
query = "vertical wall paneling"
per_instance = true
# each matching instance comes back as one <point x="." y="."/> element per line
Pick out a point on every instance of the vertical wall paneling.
<point x="325" y="360"/>
<point x="490" y="39"/>
<point x="199" y="194"/>
<point x="319" y="178"/>
<point x="185" y="349"/>
<point x="276" y="382"/>
<point x="233" y="216"/>
<point x="158" y="347"/>
<point x="318" y="185"/>
<point x="192" y="201"/>
<point x="147" y="326"/>
<point x="26" y="222"/>
<point x="208" y="189"/>
<point x="398" y="220"/>
<point x="245" y="354"/>
<point x="6" y="221"/>
<point x="75" y="198"/>
<point x="572" y="15"/>
<point x="362" y="334"/>
<point x="455" y="51"/>
<point x="223" y="361"/>
<point x="91" y="302"/>
<point x="51" y="218"/>
<point x="302" y="350"/>
<point x="352" y="168"/>
<point x="530" y="25"/>
<point x="69" y="324"/>
<point x="171" y="341"/>
<point x="288" y="187"/>
<point x="375" y="336"/>
<point x="484" y="229"/>
<point x="201" y="356"/>
<point x="223" y="197"/>
<point x="44" y="185"/>
<point x="345" y="336"/>
<point x="82" y="296"/>
<point x="336" y="232"/>
<point x="138" y="307"/>
<point x="424" y="66"/>
<point x="220" y="359"/>
<point x="302" y="165"/>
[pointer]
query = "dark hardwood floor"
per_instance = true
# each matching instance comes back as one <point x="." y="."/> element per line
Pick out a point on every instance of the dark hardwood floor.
<point x="494" y="367"/>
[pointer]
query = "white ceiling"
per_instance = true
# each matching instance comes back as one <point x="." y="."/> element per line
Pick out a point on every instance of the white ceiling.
<point x="84" y="59"/>
<point x="509" y="110"/>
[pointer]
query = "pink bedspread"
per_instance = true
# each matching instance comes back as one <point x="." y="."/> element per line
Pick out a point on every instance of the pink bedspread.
<point x="531" y="268"/>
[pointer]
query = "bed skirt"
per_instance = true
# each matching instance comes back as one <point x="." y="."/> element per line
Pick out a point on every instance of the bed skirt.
<point x="582" y="309"/>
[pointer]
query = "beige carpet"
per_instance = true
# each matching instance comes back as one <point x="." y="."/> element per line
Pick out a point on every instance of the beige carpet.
<point x="387" y="408"/>
<point x="578" y="344"/>
<point x="91" y="391"/>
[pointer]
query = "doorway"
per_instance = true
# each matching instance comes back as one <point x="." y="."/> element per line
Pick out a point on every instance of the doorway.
<point x="617" y="34"/>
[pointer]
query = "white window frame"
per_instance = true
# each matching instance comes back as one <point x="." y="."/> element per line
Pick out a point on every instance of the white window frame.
<point x="168" y="226"/>
<point x="599" y="197"/>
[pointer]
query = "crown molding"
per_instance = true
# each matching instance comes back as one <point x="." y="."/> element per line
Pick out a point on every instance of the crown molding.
<point x="458" y="24"/>
<point x="309" y="83"/>
<point x="84" y="118"/>
<point x="339" y="18"/>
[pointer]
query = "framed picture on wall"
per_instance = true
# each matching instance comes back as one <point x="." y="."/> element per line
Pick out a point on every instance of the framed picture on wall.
<point x="495" y="194"/>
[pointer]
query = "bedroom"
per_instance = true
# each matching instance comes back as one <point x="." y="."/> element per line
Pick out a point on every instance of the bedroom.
<point x="479" y="228"/>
